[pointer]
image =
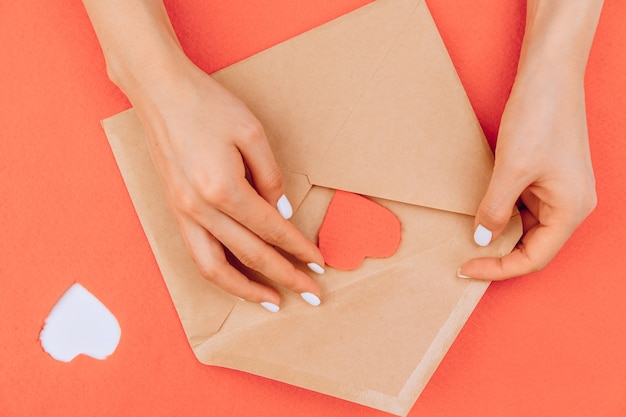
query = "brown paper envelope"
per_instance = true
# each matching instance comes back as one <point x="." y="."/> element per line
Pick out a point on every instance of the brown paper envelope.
<point x="368" y="103"/>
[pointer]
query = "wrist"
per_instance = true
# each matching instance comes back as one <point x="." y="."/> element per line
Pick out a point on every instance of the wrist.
<point x="138" y="42"/>
<point x="138" y="71"/>
<point x="557" y="40"/>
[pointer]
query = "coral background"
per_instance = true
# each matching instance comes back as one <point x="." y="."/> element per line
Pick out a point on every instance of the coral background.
<point x="551" y="344"/>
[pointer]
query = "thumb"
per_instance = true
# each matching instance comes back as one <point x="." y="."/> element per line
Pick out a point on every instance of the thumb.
<point x="496" y="208"/>
<point x="266" y="175"/>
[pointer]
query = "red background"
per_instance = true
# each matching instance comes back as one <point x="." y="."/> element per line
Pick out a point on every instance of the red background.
<point x="552" y="344"/>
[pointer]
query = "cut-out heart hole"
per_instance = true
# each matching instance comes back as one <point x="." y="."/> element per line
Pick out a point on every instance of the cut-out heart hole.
<point x="79" y="324"/>
<point x="356" y="228"/>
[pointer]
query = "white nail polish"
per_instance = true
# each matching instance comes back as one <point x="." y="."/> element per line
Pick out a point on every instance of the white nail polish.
<point x="460" y="275"/>
<point x="270" y="307"/>
<point x="315" y="268"/>
<point x="482" y="235"/>
<point x="311" y="298"/>
<point x="284" y="207"/>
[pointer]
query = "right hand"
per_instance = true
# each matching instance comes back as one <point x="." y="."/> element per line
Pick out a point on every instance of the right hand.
<point x="202" y="139"/>
<point x="542" y="159"/>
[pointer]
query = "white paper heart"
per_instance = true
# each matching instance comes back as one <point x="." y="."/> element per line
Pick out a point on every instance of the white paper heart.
<point x="79" y="324"/>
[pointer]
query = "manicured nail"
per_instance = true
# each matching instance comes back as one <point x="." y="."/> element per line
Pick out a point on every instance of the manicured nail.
<point x="311" y="298"/>
<point x="460" y="275"/>
<point x="315" y="268"/>
<point x="482" y="235"/>
<point x="284" y="207"/>
<point x="270" y="307"/>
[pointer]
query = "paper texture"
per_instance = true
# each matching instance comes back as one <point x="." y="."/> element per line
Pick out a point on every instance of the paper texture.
<point x="368" y="103"/>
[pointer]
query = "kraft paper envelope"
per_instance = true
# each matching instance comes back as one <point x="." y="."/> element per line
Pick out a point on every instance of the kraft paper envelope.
<point x="369" y="103"/>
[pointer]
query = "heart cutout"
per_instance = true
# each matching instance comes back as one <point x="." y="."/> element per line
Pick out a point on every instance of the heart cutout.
<point x="356" y="228"/>
<point x="79" y="324"/>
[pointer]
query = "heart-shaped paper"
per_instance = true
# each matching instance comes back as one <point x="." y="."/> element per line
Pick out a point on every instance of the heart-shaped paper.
<point x="356" y="228"/>
<point x="79" y="324"/>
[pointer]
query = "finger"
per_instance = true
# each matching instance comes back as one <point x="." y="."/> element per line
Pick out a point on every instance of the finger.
<point x="209" y="256"/>
<point x="252" y="211"/>
<point x="257" y="255"/>
<point x="529" y="220"/>
<point x="264" y="171"/>
<point x="538" y="246"/>
<point x="496" y="207"/>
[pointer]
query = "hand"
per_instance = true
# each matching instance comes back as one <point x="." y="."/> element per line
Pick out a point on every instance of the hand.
<point x="202" y="139"/>
<point x="542" y="157"/>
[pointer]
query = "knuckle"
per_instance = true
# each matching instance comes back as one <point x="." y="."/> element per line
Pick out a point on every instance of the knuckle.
<point x="514" y="167"/>
<point x="185" y="201"/>
<point x="252" y="130"/>
<point x="290" y="280"/>
<point x="275" y="236"/>
<point x="496" y="212"/>
<point x="534" y="262"/>
<point x="253" y="260"/>
<point x="209" y="269"/>
<point x="273" y="180"/>
<point x="532" y="266"/>
<point x="215" y="190"/>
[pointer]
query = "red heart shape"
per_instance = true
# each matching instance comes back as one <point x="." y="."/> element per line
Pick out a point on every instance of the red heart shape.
<point x="356" y="228"/>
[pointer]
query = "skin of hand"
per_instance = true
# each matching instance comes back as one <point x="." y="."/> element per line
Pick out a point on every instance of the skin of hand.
<point x="203" y="142"/>
<point x="542" y="153"/>
<point x="201" y="139"/>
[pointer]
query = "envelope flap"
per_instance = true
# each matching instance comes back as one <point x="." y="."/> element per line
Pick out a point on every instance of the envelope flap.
<point x="370" y="104"/>
<point x="412" y="136"/>
<point x="303" y="90"/>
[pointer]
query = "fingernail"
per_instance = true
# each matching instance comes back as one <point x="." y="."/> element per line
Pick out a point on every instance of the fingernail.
<point x="482" y="235"/>
<point x="460" y="275"/>
<point x="239" y="298"/>
<point x="315" y="268"/>
<point x="284" y="207"/>
<point x="270" y="307"/>
<point x="311" y="298"/>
